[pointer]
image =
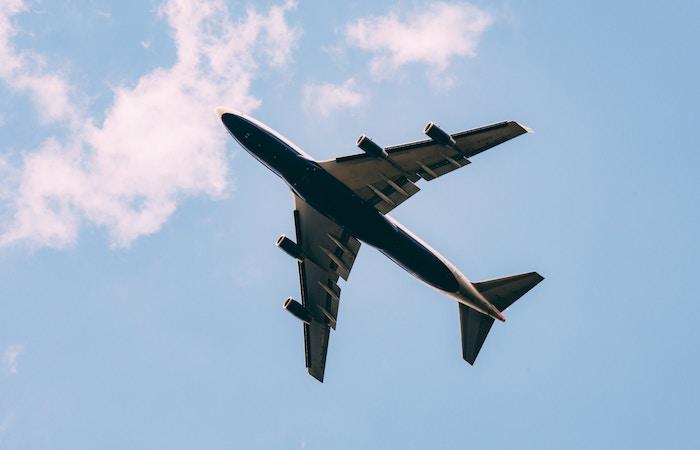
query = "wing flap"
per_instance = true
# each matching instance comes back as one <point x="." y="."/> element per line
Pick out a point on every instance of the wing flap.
<point x="442" y="166"/>
<point x="316" y="341"/>
<point x="389" y="192"/>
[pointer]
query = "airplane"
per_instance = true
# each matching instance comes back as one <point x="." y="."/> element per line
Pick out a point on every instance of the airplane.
<point x="340" y="202"/>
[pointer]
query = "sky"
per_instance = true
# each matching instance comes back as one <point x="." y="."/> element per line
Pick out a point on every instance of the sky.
<point x="141" y="290"/>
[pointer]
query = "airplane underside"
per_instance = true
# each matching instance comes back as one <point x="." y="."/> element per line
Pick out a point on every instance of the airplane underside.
<point x="340" y="202"/>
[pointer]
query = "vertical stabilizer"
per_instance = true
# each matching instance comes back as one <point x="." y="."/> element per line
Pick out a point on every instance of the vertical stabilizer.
<point x="501" y="292"/>
<point x="474" y="327"/>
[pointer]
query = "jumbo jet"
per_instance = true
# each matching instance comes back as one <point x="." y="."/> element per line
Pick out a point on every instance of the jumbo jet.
<point x="344" y="201"/>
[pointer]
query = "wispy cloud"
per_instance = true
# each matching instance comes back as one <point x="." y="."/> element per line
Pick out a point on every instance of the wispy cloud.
<point x="6" y="424"/>
<point x="325" y="98"/>
<point x="26" y="72"/>
<point x="103" y="13"/>
<point x="432" y="35"/>
<point x="10" y="357"/>
<point x="159" y="140"/>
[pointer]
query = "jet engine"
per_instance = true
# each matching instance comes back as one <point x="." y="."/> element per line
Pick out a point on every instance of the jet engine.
<point x="435" y="133"/>
<point x="370" y="147"/>
<point x="297" y="310"/>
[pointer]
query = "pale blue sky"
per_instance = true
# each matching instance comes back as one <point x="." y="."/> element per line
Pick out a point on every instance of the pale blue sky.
<point x="140" y="306"/>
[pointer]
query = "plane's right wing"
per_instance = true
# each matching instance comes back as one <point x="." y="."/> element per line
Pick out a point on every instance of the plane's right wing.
<point x="388" y="181"/>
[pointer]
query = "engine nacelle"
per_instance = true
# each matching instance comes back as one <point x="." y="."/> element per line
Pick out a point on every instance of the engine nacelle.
<point x="370" y="147"/>
<point x="435" y="133"/>
<point x="290" y="247"/>
<point x="297" y="310"/>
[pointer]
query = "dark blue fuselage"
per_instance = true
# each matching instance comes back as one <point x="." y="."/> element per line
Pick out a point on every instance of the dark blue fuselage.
<point x="336" y="201"/>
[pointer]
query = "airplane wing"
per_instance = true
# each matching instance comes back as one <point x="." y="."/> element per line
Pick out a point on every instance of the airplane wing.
<point x="329" y="253"/>
<point x="386" y="182"/>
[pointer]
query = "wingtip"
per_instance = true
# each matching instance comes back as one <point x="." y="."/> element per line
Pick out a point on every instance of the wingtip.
<point x="525" y="127"/>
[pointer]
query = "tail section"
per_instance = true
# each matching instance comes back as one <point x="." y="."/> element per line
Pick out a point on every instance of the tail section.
<point x="474" y="326"/>
<point x="501" y="292"/>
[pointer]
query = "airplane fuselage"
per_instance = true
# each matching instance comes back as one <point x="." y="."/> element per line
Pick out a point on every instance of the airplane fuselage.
<point x="307" y="179"/>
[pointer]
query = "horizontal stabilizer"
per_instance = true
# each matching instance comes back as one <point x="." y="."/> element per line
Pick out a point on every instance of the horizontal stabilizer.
<point x="502" y="293"/>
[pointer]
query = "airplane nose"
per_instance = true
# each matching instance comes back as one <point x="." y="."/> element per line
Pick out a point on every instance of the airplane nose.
<point x="221" y="111"/>
<point x="234" y="122"/>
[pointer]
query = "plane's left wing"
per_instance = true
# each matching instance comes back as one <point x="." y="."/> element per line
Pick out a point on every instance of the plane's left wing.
<point x="329" y="252"/>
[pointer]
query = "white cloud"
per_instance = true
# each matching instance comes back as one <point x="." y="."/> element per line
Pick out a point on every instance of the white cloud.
<point x="10" y="358"/>
<point x="432" y="35"/>
<point x="326" y="98"/>
<point x="159" y="140"/>
<point x="26" y="72"/>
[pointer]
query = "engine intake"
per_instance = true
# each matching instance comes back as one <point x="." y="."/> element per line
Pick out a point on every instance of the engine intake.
<point x="435" y="133"/>
<point x="297" y="310"/>
<point x="370" y="147"/>
<point x="290" y="247"/>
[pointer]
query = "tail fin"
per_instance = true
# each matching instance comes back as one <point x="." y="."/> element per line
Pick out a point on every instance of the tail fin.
<point x="501" y="292"/>
<point x="474" y="326"/>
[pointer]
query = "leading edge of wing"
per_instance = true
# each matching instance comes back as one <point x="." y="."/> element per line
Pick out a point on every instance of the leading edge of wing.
<point x="422" y="143"/>
<point x="491" y="127"/>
